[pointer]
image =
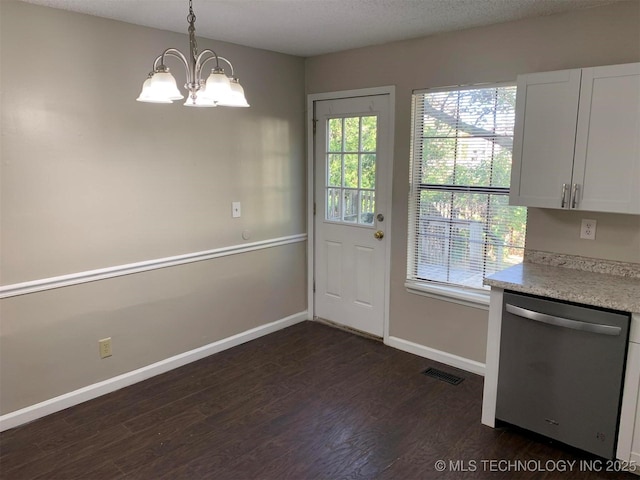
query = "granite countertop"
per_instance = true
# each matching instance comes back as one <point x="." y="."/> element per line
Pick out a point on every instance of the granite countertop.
<point x="589" y="281"/>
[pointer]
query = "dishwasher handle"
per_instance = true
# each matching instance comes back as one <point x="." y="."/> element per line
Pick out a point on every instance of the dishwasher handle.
<point x="563" y="322"/>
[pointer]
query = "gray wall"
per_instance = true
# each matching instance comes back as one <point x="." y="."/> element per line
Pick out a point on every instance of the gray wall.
<point x="589" y="37"/>
<point x="93" y="179"/>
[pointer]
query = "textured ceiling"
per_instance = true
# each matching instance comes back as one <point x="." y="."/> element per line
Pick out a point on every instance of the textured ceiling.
<point x="313" y="27"/>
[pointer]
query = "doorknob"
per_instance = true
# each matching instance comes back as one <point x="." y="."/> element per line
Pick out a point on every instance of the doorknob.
<point x="379" y="234"/>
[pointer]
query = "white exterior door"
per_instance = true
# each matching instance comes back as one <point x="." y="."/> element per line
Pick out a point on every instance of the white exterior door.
<point x="352" y="200"/>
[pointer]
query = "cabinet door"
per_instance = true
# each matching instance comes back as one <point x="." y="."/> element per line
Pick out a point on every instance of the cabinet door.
<point x="607" y="158"/>
<point x="629" y="434"/>
<point x="544" y="137"/>
<point x="629" y="426"/>
<point x="635" y="448"/>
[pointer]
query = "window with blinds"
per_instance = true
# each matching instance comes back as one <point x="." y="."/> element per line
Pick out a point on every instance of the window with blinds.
<point x="461" y="227"/>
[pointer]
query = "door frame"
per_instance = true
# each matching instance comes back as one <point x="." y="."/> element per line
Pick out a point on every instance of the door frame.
<point x="312" y="98"/>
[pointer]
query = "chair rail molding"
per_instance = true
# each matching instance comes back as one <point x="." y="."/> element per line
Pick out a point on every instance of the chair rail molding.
<point x="50" y="283"/>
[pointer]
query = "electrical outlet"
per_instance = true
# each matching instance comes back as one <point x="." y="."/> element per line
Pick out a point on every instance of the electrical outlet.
<point x="588" y="229"/>
<point x="105" y="347"/>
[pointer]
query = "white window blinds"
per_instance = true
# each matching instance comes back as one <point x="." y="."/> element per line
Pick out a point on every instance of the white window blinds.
<point x="461" y="227"/>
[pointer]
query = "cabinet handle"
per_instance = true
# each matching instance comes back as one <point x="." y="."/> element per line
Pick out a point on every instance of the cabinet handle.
<point x="563" y="203"/>
<point x="574" y="195"/>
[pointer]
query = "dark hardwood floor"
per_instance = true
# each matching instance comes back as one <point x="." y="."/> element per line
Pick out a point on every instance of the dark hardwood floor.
<point x="307" y="402"/>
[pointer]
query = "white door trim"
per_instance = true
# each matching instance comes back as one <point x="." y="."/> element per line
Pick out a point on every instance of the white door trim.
<point x="311" y="99"/>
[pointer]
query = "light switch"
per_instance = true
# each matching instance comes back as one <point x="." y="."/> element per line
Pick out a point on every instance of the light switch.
<point x="235" y="209"/>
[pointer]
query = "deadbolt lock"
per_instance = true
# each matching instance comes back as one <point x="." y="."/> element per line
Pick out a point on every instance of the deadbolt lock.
<point x="380" y="217"/>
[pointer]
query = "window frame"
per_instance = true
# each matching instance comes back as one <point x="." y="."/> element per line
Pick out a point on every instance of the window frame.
<point x="455" y="293"/>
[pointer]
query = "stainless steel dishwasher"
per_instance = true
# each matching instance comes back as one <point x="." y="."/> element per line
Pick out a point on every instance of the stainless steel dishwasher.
<point x="561" y="370"/>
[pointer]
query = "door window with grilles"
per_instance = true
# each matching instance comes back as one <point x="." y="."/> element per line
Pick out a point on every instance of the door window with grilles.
<point x="351" y="169"/>
<point x="461" y="227"/>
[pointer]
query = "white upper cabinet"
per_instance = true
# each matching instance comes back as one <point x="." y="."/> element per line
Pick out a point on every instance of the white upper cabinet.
<point x="607" y="158"/>
<point x="577" y="140"/>
<point x="544" y="137"/>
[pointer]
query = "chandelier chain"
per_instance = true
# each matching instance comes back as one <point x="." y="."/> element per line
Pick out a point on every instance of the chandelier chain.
<point x="193" y="44"/>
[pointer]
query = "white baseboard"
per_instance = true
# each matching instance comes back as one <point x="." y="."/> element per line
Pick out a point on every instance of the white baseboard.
<point x="33" y="412"/>
<point x="437" y="355"/>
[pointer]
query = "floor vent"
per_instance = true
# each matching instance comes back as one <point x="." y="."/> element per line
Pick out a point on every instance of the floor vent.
<point x="444" y="376"/>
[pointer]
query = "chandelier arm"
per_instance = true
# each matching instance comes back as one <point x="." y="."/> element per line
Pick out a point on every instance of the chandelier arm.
<point x="200" y="62"/>
<point x="172" y="52"/>
<point x="230" y="64"/>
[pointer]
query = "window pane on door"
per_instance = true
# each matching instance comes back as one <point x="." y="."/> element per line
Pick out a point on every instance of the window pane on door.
<point x="368" y="171"/>
<point x="335" y="171"/>
<point x="369" y="133"/>
<point x="351" y="169"/>
<point x="352" y="134"/>
<point x="367" y="206"/>
<point x="350" y="206"/>
<point x="334" y="204"/>
<point x="334" y="132"/>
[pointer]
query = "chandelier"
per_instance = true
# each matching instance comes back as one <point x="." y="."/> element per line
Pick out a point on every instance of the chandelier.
<point x="160" y="86"/>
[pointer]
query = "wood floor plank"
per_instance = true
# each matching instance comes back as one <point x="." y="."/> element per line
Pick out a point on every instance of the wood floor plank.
<point x="307" y="402"/>
<point x="68" y="454"/>
<point x="73" y="460"/>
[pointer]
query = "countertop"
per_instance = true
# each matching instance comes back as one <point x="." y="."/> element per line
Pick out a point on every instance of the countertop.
<point x="599" y="283"/>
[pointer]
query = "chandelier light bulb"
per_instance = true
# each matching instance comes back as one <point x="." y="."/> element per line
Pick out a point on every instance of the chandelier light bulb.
<point x="218" y="86"/>
<point x="163" y="86"/>
<point x="237" y="98"/>
<point x="146" y="96"/>
<point x="200" y="100"/>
